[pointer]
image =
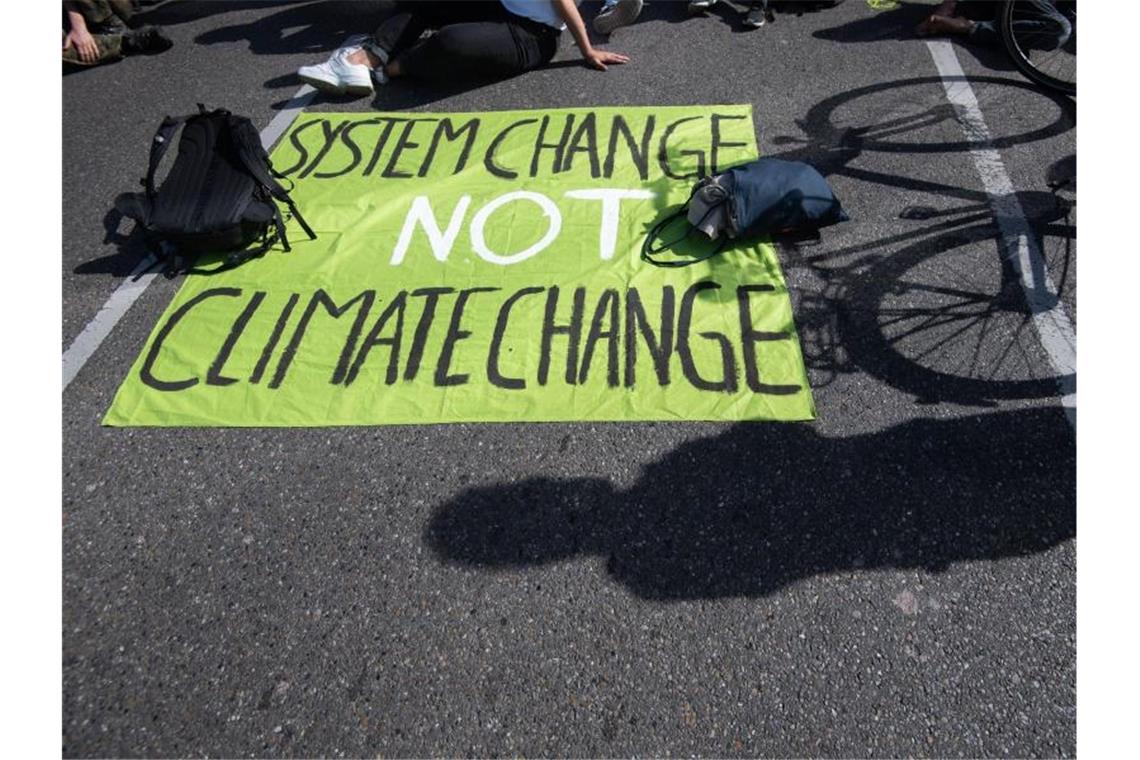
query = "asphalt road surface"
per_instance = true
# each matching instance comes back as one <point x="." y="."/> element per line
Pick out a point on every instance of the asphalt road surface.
<point x="896" y="578"/>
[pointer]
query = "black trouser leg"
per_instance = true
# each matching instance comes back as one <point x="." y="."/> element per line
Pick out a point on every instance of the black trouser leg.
<point x="410" y="19"/>
<point x="489" y="49"/>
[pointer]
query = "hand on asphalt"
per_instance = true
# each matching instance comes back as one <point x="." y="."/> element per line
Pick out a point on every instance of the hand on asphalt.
<point x="599" y="58"/>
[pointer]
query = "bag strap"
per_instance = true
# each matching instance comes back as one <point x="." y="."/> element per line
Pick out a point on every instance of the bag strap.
<point x="802" y="236"/>
<point x="279" y="225"/>
<point x="257" y="163"/>
<point x="158" y="148"/>
<point x="647" y="247"/>
<point x="237" y="258"/>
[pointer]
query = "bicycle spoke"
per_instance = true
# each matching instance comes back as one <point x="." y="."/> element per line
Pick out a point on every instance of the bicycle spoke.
<point x="978" y="346"/>
<point x="926" y="325"/>
<point x="965" y="295"/>
<point x="939" y="345"/>
<point x="1009" y="348"/>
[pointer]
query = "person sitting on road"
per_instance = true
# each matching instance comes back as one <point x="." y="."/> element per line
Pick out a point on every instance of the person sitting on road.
<point x="495" y="39"/>
<point x="97" y="31"/>
<point x="617" y="13"/>
<point x="979" y="23"/>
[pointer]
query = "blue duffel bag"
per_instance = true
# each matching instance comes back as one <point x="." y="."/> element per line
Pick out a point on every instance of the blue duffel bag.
<point x="767" y="197"/>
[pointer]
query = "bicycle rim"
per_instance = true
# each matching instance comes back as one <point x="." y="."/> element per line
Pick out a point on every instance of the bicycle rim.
<point x="1035" y="52"/>
<point x="938" y="319"/>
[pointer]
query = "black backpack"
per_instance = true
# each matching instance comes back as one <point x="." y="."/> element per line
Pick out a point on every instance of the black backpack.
<point x="219" y="196"/>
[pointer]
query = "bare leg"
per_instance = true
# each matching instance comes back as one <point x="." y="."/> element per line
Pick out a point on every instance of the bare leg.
<point x="935" y="23"/>
<point x="366" y="57"/>
<point x="949" y="25"/>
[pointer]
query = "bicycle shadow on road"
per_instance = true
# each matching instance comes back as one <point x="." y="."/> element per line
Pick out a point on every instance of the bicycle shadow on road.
<point x="932" y="310"/>
<point x="899" y="23"/>
<point x="928" y="307"/>
<point x="762" y="506"/>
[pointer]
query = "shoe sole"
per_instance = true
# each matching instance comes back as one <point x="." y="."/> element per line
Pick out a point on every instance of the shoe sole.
<point x="622" y="15"/>
<point x="335" y="88"/>
<point x="323" y="85"/>
<point x="359" y="89"/>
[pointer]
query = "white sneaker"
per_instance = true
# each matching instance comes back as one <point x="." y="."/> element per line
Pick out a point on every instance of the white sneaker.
<point x="337" y="75"/>
<point x="700" y="6"/>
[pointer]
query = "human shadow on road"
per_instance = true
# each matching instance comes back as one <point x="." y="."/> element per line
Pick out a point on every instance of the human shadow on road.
<point x="171" y="13"/>
<point x="313" y="27"/>
<point x="761" y="506"/>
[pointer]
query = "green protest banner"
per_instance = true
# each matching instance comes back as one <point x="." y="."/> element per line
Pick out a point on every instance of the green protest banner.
<point x="482" y="267"/>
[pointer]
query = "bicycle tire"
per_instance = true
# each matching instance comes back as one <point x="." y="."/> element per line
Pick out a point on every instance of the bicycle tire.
<point x="826" y="132"/>
<point x="927" y="325"/>
<point x="1020" y="52"/>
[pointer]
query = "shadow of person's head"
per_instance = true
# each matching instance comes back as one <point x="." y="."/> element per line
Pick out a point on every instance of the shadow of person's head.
<point x="765" y="505"/>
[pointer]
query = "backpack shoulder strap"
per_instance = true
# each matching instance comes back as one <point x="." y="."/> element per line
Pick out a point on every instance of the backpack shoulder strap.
<point x="158" y="147"/>
<point x="256" y="161"/>
<point x="236" y="258"/>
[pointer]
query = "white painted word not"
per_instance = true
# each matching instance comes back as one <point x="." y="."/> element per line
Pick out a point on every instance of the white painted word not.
<point x="422" y="215"/>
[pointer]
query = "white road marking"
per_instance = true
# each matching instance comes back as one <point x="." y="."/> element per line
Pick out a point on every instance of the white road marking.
<point x="97" y="330"/>
<point x="1019" y="247"/>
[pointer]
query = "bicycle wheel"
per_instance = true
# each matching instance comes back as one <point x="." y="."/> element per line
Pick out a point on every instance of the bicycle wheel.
<point x="1041" y="37"/>
<point x="943" y="320"/>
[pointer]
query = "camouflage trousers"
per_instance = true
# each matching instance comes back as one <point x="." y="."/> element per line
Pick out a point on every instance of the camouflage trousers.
<point x="106" y="20"/>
